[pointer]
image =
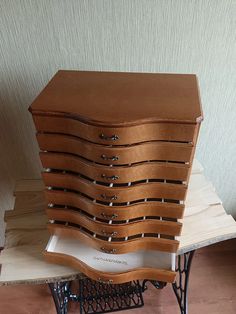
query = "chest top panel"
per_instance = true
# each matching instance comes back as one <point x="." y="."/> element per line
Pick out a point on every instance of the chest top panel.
<point x="118" y="99"/>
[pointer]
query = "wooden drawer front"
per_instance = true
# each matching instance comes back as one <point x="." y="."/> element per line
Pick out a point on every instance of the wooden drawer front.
<point x="108" y="278"/>
<point x="149" y="170"/>
<point x="119" y="155"/>
<point x="116" y="136"/>
<point x="117" y="247"/>
<point x="152" y="265"/>
<point x="151" y="208"/>
<point x="116" y="194"/>
<point x="115" y="230"/>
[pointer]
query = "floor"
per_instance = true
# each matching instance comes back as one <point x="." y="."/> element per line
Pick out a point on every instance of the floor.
<point x="212" y="289"/>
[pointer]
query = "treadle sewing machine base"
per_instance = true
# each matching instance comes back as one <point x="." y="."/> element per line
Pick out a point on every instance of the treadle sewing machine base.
<point x="94" y="297"/>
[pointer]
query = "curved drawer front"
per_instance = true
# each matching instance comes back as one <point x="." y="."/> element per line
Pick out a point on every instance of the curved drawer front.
<point x="116" y="247"/>
<point x="105" y="268"/>
<point x="108" y="194"/>
<point x="121" y="174"/>
<point x="115" y="230"/>
<point x="115" y="213"/>
<point x="116" y="155"/>
<point x="116" y="136"/>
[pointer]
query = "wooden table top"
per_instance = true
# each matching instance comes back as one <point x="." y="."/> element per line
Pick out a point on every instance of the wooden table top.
<point x="205" y="222"/>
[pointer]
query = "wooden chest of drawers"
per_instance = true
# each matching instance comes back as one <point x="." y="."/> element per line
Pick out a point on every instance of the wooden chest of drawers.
<point x="117" y="150"/>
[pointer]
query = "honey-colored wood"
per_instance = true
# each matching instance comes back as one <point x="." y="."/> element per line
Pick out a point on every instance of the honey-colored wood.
<point x="205" y="222"/>
<point x="115" y="230"/>
<point x="115" y="278"/>
<point x="115" y="155"/>
<point x="125" y="135"/>
<point x="115" y="194"/>
<point x="121" y="99"/>
<point x="121" y="174"/>
<point x="149" y="121"/>
<point x="115" y="212"/>
<point x="118" y="247"/>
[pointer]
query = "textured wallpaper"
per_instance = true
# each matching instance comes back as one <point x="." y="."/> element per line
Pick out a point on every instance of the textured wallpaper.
<point x="38" y="37"/>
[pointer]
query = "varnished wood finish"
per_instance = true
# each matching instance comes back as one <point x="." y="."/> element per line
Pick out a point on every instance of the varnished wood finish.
<point x="135" y="132"/>
<point x="116" y="194"/>
<point x="115" y="155"/>
<point x="121" y="174"/>
<point x="205" y="223"/>
<point x="116" y="278"/>
<point x="118" y="247"/>
<point x="126" y="135"/>
<point x="115" y="230"/>
<point x="121" y="99"/>
<point x="115" y="212"/>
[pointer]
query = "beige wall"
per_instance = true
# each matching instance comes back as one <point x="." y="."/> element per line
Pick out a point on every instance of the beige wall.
<point x="38" y="37"/>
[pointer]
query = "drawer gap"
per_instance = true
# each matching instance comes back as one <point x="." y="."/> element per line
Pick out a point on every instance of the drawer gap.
<point x="163" y="161"/>
<point x="109" y="144"/>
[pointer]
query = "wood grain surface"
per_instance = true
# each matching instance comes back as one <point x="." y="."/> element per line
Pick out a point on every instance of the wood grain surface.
<point x="117" y="36"/>
<point x="118" y="247"/>
<point x="123" y="135"/>
<point x="115" y="278"/>
<point x="121" y="174"/>
<point x="205" y="223"/>
<point x="116" y="194"/>
<point x="115" y="212"/>
<point x="207" y="292"/>
<point x="135" y="97"/>
<point x="165" y="151"/>
<point x="115" y="230"/>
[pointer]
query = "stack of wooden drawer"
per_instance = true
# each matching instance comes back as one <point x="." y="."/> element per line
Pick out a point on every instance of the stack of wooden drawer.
<point x="117" y="150"/>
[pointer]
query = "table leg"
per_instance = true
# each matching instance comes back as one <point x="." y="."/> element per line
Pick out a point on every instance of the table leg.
<point x="156" y="284"/>
<point x="180" y="286"/>
<point x="95" y="297"/>
<point x="60" y="293"/>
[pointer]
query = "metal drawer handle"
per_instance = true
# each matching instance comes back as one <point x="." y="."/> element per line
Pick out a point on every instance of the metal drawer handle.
<point x="110" y="217"/>
<point x="113" y="178"/>
<point x="113" y="158"/>
<point x="112" y="251"/>
<point x="109" y="138"/>
<point x="108" y="282"/>
<point x="111" y="234"/>
<point x="109" y="198"/>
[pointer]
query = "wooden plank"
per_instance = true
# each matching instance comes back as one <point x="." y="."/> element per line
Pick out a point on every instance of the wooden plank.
<point x="25" y="264"/>
<point x="25" y="203"/>
<point x="208" y="226"/>
<point x="29" y="185"/>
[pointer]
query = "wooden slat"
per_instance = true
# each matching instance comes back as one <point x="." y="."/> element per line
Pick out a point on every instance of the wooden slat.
<point x="29" y="185"/>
